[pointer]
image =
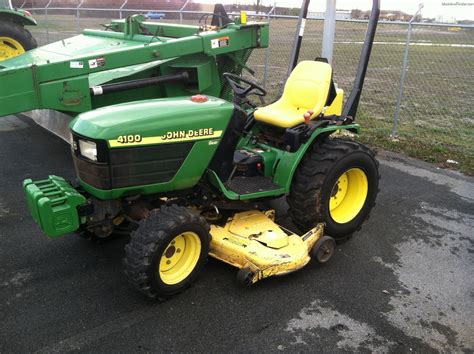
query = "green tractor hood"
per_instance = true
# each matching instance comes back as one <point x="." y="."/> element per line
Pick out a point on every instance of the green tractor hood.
<point x="148" y="147"/>
<point x="153" y="119"/>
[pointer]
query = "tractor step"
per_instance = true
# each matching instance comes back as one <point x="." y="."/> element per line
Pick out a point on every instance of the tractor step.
<point x="53" y="204"/>
<point x="246" y="185"/>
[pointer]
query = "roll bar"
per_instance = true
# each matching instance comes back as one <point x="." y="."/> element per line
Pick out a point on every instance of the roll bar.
<point x="350" y="108"/>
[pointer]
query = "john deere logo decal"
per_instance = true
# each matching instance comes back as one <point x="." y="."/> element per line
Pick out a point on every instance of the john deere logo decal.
<point x="168" y="137"/>
<point x="181" y="134"/>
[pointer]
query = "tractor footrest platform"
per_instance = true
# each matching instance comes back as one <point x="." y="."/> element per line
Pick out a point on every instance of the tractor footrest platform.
<point x="254" y="184"/>
<point x="53" y="204"/>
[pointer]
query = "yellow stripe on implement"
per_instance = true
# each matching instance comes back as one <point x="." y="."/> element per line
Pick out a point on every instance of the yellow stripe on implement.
<point x="173" y="137"/>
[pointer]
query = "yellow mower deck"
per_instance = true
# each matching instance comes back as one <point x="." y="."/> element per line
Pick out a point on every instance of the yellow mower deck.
<point x="252" y="240"/>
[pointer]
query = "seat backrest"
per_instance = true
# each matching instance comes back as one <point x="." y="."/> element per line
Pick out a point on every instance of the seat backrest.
<point x="308" y="85"/>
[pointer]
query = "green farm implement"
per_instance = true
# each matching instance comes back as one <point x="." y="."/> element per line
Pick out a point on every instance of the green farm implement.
<point x="167" y="144"/>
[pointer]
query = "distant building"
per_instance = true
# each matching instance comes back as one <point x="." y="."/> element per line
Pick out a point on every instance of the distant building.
<point x="444" y="19"/>
<point x="385" y="15"/>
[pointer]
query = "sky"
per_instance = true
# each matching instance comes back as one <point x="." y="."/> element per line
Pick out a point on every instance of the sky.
<point x="459" y="9"/>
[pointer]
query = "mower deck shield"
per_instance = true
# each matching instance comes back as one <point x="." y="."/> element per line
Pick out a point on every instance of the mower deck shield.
<point x="252" y="240"/>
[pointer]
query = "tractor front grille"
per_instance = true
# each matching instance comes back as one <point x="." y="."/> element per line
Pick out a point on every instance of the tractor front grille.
<point x="133" y="166"/>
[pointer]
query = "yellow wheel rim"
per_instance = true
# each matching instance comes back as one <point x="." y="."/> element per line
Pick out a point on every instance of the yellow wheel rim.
<point x="10" y="48"/>
<point x="179" y="258"/>
<point x="348" y="195"/>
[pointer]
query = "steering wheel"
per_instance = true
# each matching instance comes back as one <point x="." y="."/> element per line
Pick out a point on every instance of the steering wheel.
<point x="240" y="90"/>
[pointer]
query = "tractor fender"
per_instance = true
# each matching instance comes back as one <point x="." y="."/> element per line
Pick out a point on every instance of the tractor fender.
<point x="289" y="161"/>
<point x="18" y="16"/>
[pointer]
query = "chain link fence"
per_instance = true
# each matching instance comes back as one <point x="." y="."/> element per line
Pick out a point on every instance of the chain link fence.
<point x="436" y="114"/>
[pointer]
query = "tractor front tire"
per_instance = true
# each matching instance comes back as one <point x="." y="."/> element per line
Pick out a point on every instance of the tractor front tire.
<point x="14" y="40"/>
<point x="336" y="183"/>
<point x="167" y="251"/>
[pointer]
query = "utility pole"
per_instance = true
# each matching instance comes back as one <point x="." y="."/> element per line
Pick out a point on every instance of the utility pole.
<point x="329" y="30"/>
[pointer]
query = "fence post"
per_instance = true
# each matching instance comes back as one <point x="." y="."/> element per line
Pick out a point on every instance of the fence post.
<point x="121" y="7"/>
<point x="403" y="74"/>
<point x="266" y="57"/>
<point x="46" y="20"/>
<point x="78" y="16"/>
<point x="181" y="11"/>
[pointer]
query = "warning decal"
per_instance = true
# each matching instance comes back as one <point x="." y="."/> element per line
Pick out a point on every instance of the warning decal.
<point x="95" y="63"/>
<point x="219" y="42"/>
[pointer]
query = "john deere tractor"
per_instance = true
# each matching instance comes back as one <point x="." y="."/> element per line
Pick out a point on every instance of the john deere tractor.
<point x="15" y="39"/>
<point x="167" y="142"/>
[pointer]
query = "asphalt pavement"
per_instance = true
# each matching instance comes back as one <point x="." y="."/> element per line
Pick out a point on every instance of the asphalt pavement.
<point x="403" y="283"/>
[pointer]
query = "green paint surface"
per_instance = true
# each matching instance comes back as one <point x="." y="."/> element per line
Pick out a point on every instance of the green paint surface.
<point x="155" y="118"/>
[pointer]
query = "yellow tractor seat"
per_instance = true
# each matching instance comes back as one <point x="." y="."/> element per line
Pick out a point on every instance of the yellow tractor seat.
<point x="307" y="88"/>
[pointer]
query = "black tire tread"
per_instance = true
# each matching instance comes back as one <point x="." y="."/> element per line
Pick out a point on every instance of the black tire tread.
<point x="310" y="176"/>
<point x="144" y="243"/>
<point x="18" y="32"/>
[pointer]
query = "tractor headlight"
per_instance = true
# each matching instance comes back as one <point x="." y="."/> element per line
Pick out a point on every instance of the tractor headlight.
<point x="88" y="149"/>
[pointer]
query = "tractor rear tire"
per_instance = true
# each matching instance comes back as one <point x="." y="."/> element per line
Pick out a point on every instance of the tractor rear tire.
<point x="167" y="251"/>
<point x="336" y="183"/>
<point x="14" y="40"/>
